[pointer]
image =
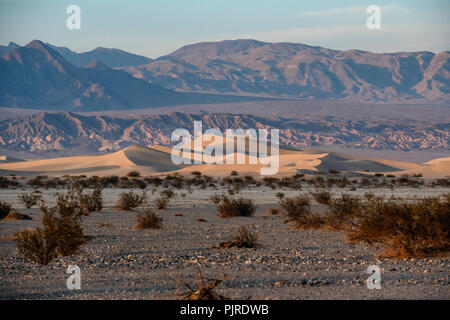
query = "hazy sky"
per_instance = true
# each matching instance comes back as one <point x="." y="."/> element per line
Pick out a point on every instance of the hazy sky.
<point x="157" y="27"/>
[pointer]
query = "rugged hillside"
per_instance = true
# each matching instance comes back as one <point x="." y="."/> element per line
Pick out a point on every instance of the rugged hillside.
<point x="36" y="76"/>
<point x="43" y="132"/>
<point x="298" y="70"/>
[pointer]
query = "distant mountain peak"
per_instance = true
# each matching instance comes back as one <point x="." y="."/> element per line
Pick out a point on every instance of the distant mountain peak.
<point x="37" y="44"/>
<point x="13" y="45"/>
<point x="96" y="64"/>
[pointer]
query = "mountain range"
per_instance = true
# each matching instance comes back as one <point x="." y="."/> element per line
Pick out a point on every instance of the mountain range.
<point x="298" y="70"/>
<point x="62" y="132"/>
<point x="37" y="76"/>
<point x="49" y="77"/>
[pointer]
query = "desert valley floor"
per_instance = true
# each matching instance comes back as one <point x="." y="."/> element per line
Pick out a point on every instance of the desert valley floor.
<point x="120" y="262"/>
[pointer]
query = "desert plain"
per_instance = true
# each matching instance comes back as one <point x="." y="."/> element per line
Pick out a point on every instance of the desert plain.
<point x="122" y="262"/>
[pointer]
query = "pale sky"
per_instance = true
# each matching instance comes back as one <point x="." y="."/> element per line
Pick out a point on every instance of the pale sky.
<point x="157" y="27"/>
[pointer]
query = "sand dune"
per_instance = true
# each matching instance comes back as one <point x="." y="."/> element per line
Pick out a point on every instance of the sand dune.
<point x="142" y="159"/>
<point x="157" y="160"/>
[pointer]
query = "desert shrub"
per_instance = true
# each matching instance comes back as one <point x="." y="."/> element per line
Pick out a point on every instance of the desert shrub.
<point x="231" y="207"/>
<point x="234" y="173"/>
<point x="91" y="201"/>
<point x="244" y="238"/>
<point x="280" y="195"/>
<point x="62" y="224"/>
<point x="298" y="211"/>
<point x="61" y="234"/>
<point x="130" y="200"/>
<point x="270" y="181"/>
<point x="405" y="229"/>
<point x="322" y="196"/>
<point x="138" y="183"/>
<point x="147" y="219"/>
<point x="29" y="199"/>
<point x="161" y="203"/>
<point x="8" y="183"/>
<point x="156" y="181"/>
<point x="133" y="174"/>
<point x="343" y="211"/>
<point x="5" y="208"/>
<point x="168" y="193"/>
<point x="216" y="198"/>
<point x="203" y="291"/>
<point x="46" y="182"/>
<point x="196" y="173"/>
<point x="35" y="246"/>
<point x="444" y="182"/>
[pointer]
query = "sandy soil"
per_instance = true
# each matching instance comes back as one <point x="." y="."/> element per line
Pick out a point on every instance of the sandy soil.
<point x="121" y="262"/>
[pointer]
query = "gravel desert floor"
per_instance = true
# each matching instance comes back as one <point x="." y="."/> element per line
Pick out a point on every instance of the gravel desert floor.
<point x="120" y="262"/>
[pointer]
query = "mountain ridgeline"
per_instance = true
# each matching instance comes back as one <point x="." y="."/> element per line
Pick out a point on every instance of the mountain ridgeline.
<point x="59" y="132"/>
<point x="298" y="70"/>
<point x="37" y="76"/>
<point x="49" y="77"/>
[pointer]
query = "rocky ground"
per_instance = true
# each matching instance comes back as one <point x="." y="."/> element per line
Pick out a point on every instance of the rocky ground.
<point x="120" y="262"/>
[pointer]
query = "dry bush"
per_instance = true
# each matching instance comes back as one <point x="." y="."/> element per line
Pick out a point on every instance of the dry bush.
<point x="342" y="212"/>
<point x="405" y="229"/>
<point x="62" y="233"/>
<point x="161" y="203"/>
<point x="279" y="195"/>
<point x="230" y="207"/>
<point x="298" y="210"/>
<point x="244" y="238"/>
<point x="168" y="193"/>
<point x="216" y="198"/>
<point x="130" y="200"/>
<point x="91" y="201"/>
<point x="203" y="291"/>
<point x="133" y="174"/>
<point x="29" y="199"/>
<point x="147" y="219"/>
<point x="5" y="208"/>
<point x="35" y="246"/>
<point x="322" y="196"/>
<point x="62" y="224"/>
